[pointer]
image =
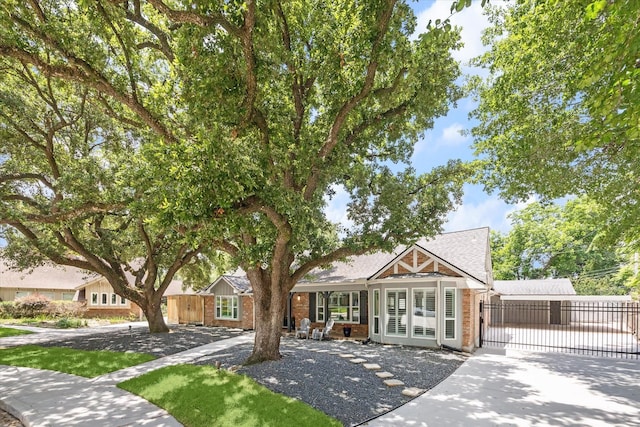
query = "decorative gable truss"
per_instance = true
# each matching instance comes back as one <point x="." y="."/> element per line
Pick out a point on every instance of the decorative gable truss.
<point x="416" y="260"/>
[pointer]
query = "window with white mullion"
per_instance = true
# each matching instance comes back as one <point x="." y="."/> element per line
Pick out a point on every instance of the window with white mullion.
<point x="450" y="313"/>
<point x="396" y="307"/>
<point x="423" y="319"/>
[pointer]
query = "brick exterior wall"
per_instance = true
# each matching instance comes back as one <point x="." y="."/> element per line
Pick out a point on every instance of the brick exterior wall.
<point x="133" y="311"/>
<point x="300" y="307"/>
<point x="470" y="318"/>
<point x="246" y="318"/>
<point x="357" y="330"/>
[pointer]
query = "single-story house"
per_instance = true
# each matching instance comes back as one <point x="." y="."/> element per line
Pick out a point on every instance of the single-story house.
<point x="426" y="294"/>
<point x="64" y="283"/>
<point x="54" y="282"/>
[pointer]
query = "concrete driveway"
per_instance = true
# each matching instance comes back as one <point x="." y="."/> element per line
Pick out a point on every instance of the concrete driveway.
<point x="511" y="388"/>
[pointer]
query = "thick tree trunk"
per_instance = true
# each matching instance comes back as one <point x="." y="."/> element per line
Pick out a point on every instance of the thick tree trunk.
<point x="153" y="312"/>
<point x="269" y="311"/>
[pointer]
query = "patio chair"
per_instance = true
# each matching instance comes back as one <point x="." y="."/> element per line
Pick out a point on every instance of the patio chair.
<point x="304" y="328"/>
<point x="324" y="333"/>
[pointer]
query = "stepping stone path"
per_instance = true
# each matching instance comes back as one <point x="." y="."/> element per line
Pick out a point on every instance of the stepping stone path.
<point x="372" y="366"/>
<point x="389" y="381"/>
<point x="413" y="391"/>
<point x="384" y="374"/>
<point x="393" y="383"/>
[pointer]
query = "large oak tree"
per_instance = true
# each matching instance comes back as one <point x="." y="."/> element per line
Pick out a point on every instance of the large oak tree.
<point x="251" y="115"/>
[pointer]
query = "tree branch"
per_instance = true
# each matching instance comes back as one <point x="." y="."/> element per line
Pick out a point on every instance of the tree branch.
<point x="332" y="138"/>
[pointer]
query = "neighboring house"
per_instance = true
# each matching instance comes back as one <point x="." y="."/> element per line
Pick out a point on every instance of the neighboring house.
<point x="426" y="294"/>
<point x="63" y="283"/>
<point x="51" y="281"/>
<point x="102" y="301"/>
<point x="228" y="302"/>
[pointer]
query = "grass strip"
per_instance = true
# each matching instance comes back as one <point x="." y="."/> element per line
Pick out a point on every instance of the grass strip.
<point x="84" y="363"/>
<point x="12" y="332"/>
<point x="199" y="396"/>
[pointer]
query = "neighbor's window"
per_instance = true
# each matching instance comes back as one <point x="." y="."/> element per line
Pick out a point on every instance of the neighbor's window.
<point x="343" y="307"/>
<point x="114" y="299"/>
<point x="68" y="296"/>
<point x="227" y="307"/>
<point x="123" y="301"/>
<point x="94" y="298"/>
<point x="103" y="299"/>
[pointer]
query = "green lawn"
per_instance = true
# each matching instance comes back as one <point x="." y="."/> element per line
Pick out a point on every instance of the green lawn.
<point x="78" y="362"/>
<point x="10" y="332"/>
<point x="205" y="396"/>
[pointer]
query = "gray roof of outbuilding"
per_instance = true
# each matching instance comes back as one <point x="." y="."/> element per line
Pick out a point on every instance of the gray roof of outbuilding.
<point x="466" y="250"/>
<point x="534" y="287"/>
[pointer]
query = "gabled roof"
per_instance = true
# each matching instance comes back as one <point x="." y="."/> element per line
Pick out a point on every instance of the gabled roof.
<point x="239" y="283"/>
<point x="466" y="251"/>
<point x="534" y="287"/>
<point x="48" y="276"/>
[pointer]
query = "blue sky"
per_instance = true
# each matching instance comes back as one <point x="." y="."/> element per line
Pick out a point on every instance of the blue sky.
<point x="445" y="141"/>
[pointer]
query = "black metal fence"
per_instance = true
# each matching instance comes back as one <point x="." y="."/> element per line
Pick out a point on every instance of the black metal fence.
<point x="583" y="327"/>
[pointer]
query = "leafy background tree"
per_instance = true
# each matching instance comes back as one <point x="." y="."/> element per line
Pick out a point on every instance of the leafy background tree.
<point x="553" y="241"/>
<point x="249" y="115"/>
<point x="559" y="113"/>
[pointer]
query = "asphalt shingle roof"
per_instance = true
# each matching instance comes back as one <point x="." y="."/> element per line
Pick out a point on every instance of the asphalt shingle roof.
<point x="47" y="276"/>
<point x="466" y="250"/>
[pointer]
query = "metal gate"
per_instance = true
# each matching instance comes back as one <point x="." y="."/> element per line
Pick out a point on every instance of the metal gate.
<point x="583" y="327"/>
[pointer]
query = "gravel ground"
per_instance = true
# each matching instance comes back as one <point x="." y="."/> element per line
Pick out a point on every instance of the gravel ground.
<point x="311" y="371"/>
<point x="6" y="420"/>
<point x="180" y="338"/>
<point x="315" y="372"/>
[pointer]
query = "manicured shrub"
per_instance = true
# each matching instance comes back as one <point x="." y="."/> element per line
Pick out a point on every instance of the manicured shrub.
<point x="62" y="309"/>
<point x="7" y="310"/>
<point x="32" y="305"/>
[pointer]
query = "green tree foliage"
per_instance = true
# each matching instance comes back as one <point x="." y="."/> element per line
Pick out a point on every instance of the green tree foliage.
<point x="547" y="240"/>
<point x="71" y="180"/>
<point x="250" y="115"/>
<point x="560" y="112"/>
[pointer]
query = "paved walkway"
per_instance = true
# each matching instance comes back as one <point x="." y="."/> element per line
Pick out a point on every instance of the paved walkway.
<point x="41" y="398"/>
<point x="513" y="388"/>
<point x="499" y="388"/>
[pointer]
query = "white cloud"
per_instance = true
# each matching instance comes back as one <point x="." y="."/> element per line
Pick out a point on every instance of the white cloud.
<point x="490" y="212"/>
<point x="452" y="136"/>
<point x="336" y="209"/>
